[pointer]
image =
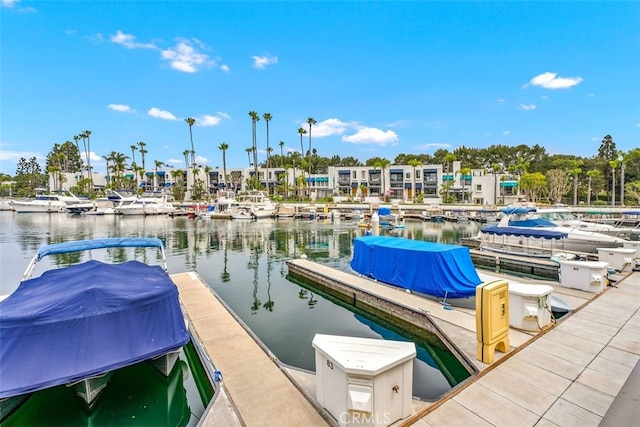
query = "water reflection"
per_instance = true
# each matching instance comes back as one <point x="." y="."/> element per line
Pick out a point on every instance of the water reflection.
<point x="244" y="262"/>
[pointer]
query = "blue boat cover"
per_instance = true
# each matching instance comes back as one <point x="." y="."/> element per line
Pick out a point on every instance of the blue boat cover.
<point x="86" y="319"/>
<point x="525" y="232"/>
<point x="430" y="268"/>
<point x="384" y="211"/>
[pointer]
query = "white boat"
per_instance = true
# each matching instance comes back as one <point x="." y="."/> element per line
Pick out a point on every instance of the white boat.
<point x="521" y="222"/>
<point x="286" y="212"/>
<point x="254" y="205"/>
<point x="223" y="206"/>
<point x="47" y="203"/>
<point x="564" y="217"/>
<point x="147" y="206"/>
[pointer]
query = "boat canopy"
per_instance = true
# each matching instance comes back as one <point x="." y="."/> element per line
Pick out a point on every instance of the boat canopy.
<point x="84" y="320"/>
<point x="524" y="232"/>
<point x="430" y="268"/>
<point x="86" y="245"/>
<point x="517" y="210"/>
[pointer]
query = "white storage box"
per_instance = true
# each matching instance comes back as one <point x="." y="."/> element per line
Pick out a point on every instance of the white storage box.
<point x="362" y="381"/>
<point x="633" y="245"/>
<point x="619" y="258"/>
<point x="590" y="276"/>
<point x="529" y="306"/>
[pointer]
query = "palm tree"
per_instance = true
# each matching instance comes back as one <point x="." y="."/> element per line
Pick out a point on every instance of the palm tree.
<point x="622" y="158"/>
<point x="191" y="121"/>
<point x="301" y="131"/>
<point x="185" y="153"/>
<point x="87" y="134"/>
<point x="613" y="164"/>
<point x="224" y="147"/>
<point x="133" y="155"/>
<point x="76" y="138"/>
<point x="415" y="163"/>
<point x="254" y="120"/>
<point x="267" y="117"/>
<point x="496" y="168"/>
<point x="382" y="164"/>
<point x="311" y="121"/>
<point x="157" y="164"/>
<point x="249" y="150"/>
<point x="281" y="153"/>
<point x="464" y="172"/>
<point x="575" y="172"/>
<point x="142" y="151"/>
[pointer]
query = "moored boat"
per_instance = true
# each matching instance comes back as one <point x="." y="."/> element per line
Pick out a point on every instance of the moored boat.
<point x="435" y="270"/>
<point x="76" y="325"/>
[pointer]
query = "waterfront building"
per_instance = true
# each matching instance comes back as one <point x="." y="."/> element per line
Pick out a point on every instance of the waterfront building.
<point x="432" y="184"/>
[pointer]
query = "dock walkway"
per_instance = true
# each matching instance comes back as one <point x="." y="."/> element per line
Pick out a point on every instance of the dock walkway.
<point x="570" y="374"/>
<point x="256" y="392"/>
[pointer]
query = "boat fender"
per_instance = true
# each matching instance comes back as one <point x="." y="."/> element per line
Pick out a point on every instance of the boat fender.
<point x="217" y="376"/>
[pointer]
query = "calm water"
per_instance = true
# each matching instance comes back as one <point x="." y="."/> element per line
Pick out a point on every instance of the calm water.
<point x="244" y="262"/>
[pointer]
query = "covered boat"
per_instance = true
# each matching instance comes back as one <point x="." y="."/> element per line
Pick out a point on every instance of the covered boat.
<point x="82" y="321"/>
<point x="434" y="269"/>
<point x="535" y="242"/>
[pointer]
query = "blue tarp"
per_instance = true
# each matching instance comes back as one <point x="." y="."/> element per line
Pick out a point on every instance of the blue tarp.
<point x="430" y="268"/>
<point x="86" y="319"/>
<point x="525" y="232"/>
<point x="384" y="211"/>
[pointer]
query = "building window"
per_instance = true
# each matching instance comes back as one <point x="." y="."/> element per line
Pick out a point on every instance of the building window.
<point x="479" y="187"/>
<point x="408" y="175"/>
<point x="355" y="175"/>
<point x="417" y="174"/>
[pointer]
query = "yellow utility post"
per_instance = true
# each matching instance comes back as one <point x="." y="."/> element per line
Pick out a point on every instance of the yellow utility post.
<point x="492" y="319"/>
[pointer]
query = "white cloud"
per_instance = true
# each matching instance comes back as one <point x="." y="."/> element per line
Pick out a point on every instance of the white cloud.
<point x="208" y="120"/>
<point x="123" y="108"/>
<point x="223" y="115"/>
<point x="328" y="127"/>
<point x="506" y="132"/>
<point x="225" y="68"/>
<point x="127" y="40"/>
<point x="186" y="58"/>
<point x="550" y="80"/>
<point x="175" y="161"/>
<point x="366" y="135"/>
<point x="261" y="62"/>
<point x="501" y="101"/>
<point x="161" y="114"/>
<point x="527" y="107"/>
<point x="14" y="156"/>
<point x="10" y="3"/>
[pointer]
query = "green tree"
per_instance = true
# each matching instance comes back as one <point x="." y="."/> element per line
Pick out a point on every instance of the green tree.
<point x="224" y="147"/>
<point x="267" y="118"/>
<point x="254" y="120"/>
<point x="532" y="185"/>
<point x="310" y="121"/>
<point x="191" y="121"/>
<point x="414" y="163"/>
<point x="28" y="177"/>
<point x="143" y="151"/>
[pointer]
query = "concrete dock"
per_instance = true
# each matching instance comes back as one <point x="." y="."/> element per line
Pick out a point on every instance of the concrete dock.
<point x="569" y="374"/>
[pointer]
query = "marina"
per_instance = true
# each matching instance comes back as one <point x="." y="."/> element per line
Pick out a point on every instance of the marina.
<point x="196" y="245"/>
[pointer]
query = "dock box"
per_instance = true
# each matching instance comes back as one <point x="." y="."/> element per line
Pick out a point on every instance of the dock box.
<point x="529" y="306"/>
<point x="363" y="381"/>
<point x="620" y="259"/>
<point x="587" y="276"/>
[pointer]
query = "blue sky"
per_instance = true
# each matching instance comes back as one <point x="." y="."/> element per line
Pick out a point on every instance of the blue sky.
<point x="380" y="78"/>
